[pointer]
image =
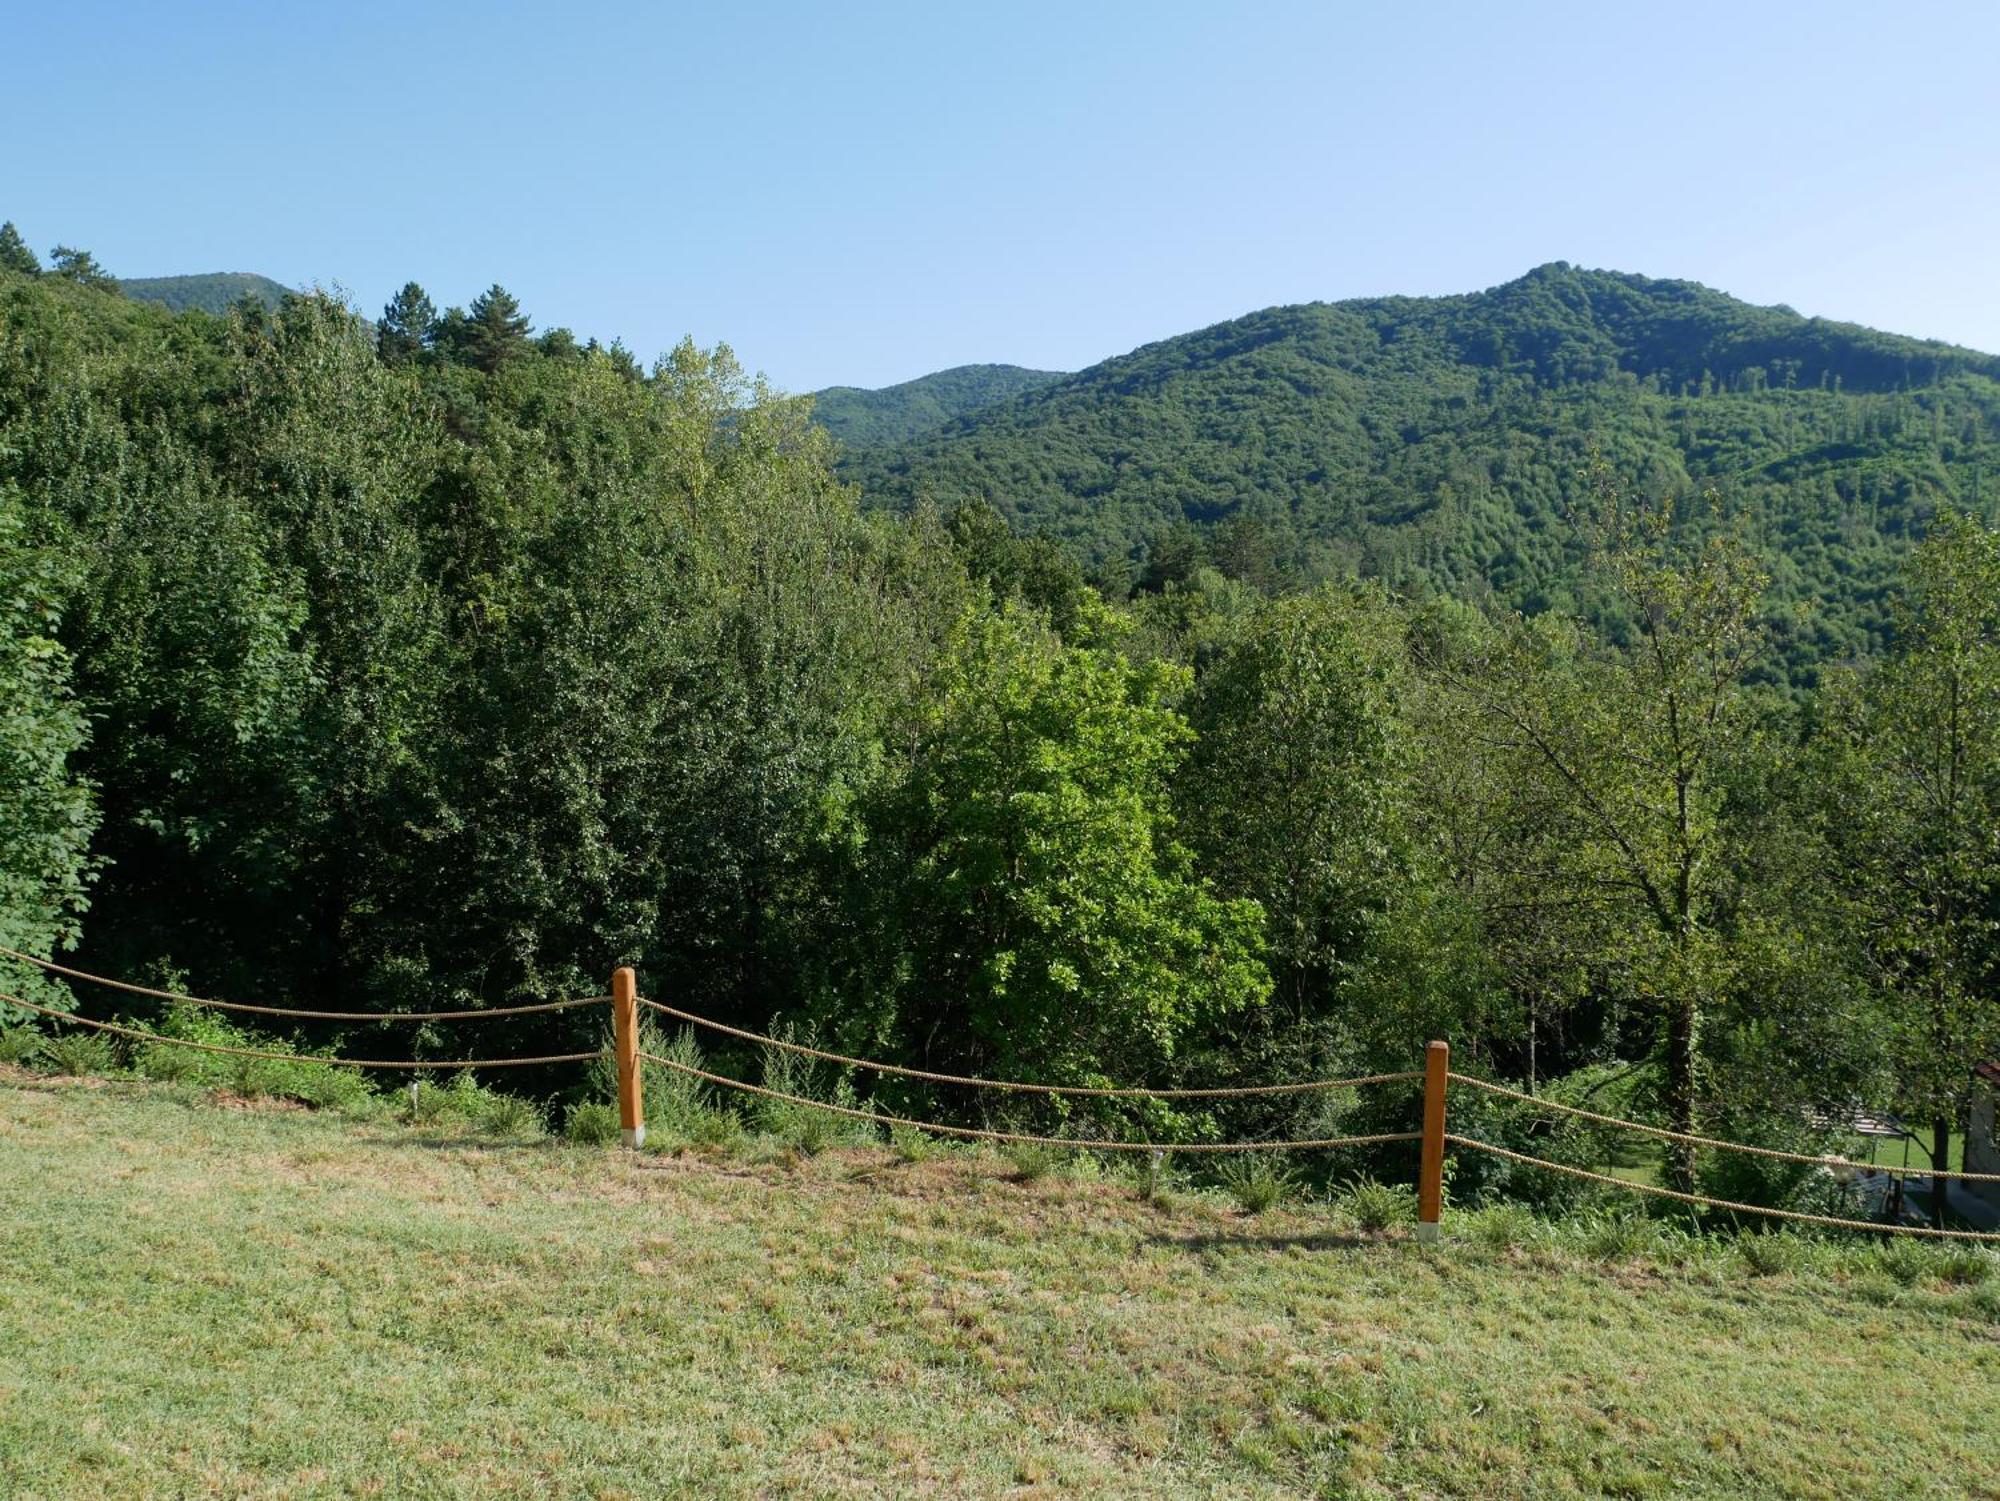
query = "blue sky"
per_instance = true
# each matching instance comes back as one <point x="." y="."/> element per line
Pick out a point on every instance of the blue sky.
<point x="861" y="193"/>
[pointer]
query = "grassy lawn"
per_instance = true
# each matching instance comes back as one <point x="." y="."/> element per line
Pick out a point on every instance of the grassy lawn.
<point x="198" y="1300"/>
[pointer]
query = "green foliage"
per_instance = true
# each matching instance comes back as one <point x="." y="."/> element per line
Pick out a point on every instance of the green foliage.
<point x="79" y="1053"/>
<point x="592" y="1123"/>
<point x="20" y="1044"/>
<point x="409" y="324"/>
<point x="66" y="263"/>
<point x="1044" y="913"/>
<point x="1436" y="444"/>
<point x="1257" y="1181"/>
<point x="1375" y="1206"/>
<point x="215" y="292"/>
<point x="14" y="252"/>
<point x="891" y="414"/>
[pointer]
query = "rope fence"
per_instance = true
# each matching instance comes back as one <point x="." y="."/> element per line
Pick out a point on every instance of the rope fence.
<point x="1077" y="1143"/>
<point x="628" y="1056"/>
<point x="1826" y="1160"/>
<point x="1086" y="1091"/>
<point x="342" y="1016"/>
<point x="1729" y="1204"/>
<point x="216" y="1047"/>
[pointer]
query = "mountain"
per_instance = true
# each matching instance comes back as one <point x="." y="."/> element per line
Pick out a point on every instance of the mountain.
<point x="892" y="414"/>
<point x="214" y="292"/>
<point x="1442" y="443"/>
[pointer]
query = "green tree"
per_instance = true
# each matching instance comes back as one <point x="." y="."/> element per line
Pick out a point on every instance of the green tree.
<point x="409" y="323"/>
<point x="81" y="267"/>
<point x="47" y="813"/>
<point x="1916" y="830"/>
<point x="1614" y="766"/>
<point x="495" y="329"/>
<point x="1043" y="917"/>
<point x="15" y="254"/>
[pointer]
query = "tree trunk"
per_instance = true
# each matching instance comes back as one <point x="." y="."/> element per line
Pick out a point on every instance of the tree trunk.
<point x="1683" y="1021"/>
<point x="1940" y="1163"/>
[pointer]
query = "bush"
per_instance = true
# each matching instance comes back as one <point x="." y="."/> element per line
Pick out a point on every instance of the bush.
<point x="508" y="1115"/>
<point x="80" y="1053"/>
<point x="801" y="1126"/>
<point x="1776" y="1254"/>
<point x="593" y="1123"/>
<point x="1503" y="1226"/>
<point x="1615" y="1235"/>
<point x="20" y="1044"/>
<point x="1031" y="1160"/>
<point x="1257" y="1181"/>
<point x="1375" y="1206"/>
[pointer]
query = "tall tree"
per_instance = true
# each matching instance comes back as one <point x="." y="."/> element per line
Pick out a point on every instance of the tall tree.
<point x="1917" y="831"/>
<point x="495" y="329"/>
<point x="409" y="322"/>
<point x="81" y="267"/>
<point x="15" y="254"/>
<point x="1616" y="764"/>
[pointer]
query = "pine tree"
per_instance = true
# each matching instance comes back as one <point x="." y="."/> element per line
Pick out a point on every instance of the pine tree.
<point x="409" y="324"/>
<point x="495" y="330"/>
<point x="15" y="254"/>
<point x="81" y="267"/>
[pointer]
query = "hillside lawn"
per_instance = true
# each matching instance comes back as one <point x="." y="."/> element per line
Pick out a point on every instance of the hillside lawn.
<point x="203" y="1297"/>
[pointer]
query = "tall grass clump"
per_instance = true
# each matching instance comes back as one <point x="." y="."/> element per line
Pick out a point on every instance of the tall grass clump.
<point x="799" y="1126"/>
<point x="1257" y="1181"/>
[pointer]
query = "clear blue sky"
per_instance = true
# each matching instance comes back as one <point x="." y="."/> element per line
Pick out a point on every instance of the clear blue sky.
<point x="856" y="193"/>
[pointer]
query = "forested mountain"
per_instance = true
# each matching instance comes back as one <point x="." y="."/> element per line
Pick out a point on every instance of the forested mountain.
<point x="893" y="414"/>
<point x="1439" y="443"/>
<point x="214" y="292"/>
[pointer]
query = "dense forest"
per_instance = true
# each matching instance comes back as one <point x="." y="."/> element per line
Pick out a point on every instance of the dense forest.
<point x="434" y="660"/>
<point x="1436" y="443"/>
<point x="860" y="418"/>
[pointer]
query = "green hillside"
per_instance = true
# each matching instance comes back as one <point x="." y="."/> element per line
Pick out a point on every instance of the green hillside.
<point x="214" y="292"/>
<point x="1439" y="442"/>
<point x="894" y="414"/>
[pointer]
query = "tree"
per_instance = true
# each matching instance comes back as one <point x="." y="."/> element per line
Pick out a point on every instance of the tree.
<point x="81" y="267"/>
<point x="495" y="329"/>
<point x="1044" y="918"/>
<point x="47" y="813"/>
<point x="409" y="323"/>
<point x="1614" y="766"/>
<point x="15" y="254"/>
<point x="1917" y="828"/>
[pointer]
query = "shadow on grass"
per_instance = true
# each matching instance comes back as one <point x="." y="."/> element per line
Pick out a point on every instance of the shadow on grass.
<point x="1248" y="1240"/>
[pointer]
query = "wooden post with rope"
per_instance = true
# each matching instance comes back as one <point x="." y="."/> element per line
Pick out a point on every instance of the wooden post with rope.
<point x="1430" y="1175"/>
<point x="625" y="1044"/>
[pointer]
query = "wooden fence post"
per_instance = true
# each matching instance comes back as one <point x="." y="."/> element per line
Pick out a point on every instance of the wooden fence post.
<point x="625" y="1043"/>
<point x="1430" y="1176"/>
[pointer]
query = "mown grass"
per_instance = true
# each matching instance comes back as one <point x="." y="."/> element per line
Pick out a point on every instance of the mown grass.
<point x="229" y="1299"/>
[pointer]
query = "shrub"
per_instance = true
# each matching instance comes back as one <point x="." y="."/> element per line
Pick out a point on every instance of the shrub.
<point x="912" y="1145"/>
<point x="1257" y="1181"/>
<point x="80" y="1053"/>
<point x="20" y="1044"/>
<point x="509" y="1115"/>
<point x="1031" y="1160"/>
<point x="1503" y="1226"/>
<point x="801" y="1126"/>
<point x="1375" y="1206"/>
<point x="592" y="1123"/>
<point x="1615" y="1235"/>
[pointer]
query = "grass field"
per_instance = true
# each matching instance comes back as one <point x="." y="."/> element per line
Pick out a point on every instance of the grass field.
<point x="199" y="1299"/>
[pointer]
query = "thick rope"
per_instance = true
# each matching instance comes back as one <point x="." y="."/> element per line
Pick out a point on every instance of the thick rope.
<point x="1827" y="1161"/>
<point x="1730" y="1204"/>
<point x="216" y="1047"/>
<point x="1077" y="1143"/>
<point x="331" y="1016"/>
<point x="1083" y="1090"/>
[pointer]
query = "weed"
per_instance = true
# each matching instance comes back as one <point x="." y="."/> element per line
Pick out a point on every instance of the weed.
<point x="1502" y="1227"/>
<point x="912" y="1145"/>
<point x="1779" y="1253"/>
<point x="1614" y="1235"/>
<point x="80" y="1053"/>
<point x="592" y="1123"/>
<point x="1257" y="1181"/>
<point x="1375" y="1206"/>
<point x="509" y="1115"/>
<point x="1031" y="1160"/>
<point x="20" y="1044"/>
